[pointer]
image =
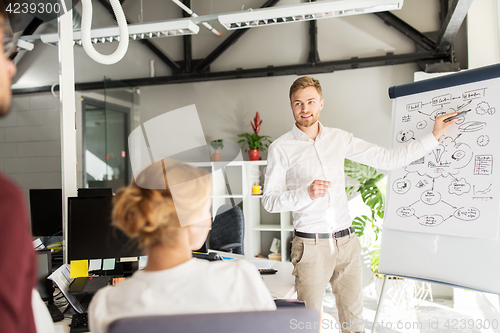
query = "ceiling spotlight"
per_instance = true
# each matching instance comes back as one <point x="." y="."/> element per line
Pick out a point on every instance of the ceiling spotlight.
<point x="305" y="12"/>
<point x="140" y="30"/>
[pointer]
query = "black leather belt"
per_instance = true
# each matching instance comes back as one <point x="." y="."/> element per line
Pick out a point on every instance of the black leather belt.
<point x="337" y="234"/>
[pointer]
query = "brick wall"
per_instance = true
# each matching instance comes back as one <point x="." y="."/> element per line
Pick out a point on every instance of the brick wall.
<point x="30" y="144"/>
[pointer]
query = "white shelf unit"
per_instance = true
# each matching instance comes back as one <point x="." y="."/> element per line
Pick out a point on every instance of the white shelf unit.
<point x="260" y="226"/>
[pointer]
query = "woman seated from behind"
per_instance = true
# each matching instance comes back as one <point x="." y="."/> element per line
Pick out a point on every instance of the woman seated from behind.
<point x="168" y="209"/>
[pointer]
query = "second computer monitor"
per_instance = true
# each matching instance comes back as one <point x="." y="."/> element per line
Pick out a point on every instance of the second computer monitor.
<point x="90" y="233"/>
<point x="46" y="212"/>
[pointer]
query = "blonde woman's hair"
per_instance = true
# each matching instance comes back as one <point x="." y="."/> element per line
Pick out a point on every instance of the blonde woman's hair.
<point x="304" y="82"/>
<point x="145" y="209"/>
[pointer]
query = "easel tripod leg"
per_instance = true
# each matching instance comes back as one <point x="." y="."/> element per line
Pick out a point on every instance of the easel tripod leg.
<point x="380" y="299"/>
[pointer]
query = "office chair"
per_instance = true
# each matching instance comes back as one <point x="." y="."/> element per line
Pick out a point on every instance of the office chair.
<point x="279" y="321"/>
<point x="227" y="230"/>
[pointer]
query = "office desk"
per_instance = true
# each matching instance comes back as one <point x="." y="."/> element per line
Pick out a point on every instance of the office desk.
<point x="280" y="285"/>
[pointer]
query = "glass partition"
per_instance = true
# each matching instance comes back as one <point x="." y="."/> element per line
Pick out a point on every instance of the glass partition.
<point x="106" y="124"/>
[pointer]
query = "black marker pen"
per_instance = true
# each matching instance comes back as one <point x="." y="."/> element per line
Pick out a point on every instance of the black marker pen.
<point x="456" y="116"/>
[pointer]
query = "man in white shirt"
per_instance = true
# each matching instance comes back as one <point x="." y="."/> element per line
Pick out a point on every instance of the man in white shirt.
<point x="305" y="175"/>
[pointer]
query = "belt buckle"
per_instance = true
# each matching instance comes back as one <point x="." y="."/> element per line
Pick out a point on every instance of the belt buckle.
<point x="342" y="233"/>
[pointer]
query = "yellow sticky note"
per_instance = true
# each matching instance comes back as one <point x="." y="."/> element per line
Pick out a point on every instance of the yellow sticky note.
<point x="79" y="268"/>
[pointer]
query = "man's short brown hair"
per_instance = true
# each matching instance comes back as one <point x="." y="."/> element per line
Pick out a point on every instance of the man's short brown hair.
<point x="304" y="82"/>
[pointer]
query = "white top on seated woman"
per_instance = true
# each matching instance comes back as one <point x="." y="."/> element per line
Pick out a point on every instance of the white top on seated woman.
<point x="167" y="208"/>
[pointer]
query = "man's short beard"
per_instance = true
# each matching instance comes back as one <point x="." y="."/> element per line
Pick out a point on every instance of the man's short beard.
<point x="301" y="123"/>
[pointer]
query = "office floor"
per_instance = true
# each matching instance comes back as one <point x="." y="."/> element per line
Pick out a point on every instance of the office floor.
<point x="429" y="317"/>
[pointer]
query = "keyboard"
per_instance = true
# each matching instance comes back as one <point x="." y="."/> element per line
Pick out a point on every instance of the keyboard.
<point x="267" y="271"/>
<point x="79" y="323"/>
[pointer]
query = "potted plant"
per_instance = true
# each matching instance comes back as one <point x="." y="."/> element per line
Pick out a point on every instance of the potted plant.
<point x="216" y="145"/>
<point x="255" y="143"/>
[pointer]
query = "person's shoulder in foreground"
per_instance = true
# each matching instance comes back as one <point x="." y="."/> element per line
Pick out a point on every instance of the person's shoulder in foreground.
<point x="18" y="261"/>
<point x="196" y="286"/>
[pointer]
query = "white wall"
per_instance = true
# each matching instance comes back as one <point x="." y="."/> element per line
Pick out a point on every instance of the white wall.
<point x="355" y="100"/>
<point x="483" y="33"/>
<point x="30" y="143"/>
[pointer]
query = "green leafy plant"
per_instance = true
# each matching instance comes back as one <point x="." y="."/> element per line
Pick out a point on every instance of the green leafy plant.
<point x="372" y="191"/>
<point x="255" y="141"/>
<point x="217" y="144"/>
<point x="374" y="260"/>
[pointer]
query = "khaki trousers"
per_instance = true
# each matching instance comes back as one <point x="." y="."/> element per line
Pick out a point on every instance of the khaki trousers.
<point x="336" y="261"/>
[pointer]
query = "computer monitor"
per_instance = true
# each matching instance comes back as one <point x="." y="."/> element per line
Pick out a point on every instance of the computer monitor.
<point x="46" y="212"/>
<point x="90" y="233"/>
<point x="95" y="192"/>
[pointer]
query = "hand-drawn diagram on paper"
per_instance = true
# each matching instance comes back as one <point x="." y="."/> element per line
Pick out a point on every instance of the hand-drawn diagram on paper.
<point x="455" y="189"/>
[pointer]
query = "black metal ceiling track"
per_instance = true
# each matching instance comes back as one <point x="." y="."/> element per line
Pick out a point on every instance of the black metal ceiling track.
<point x="188" y="46"/>
<point x="302" y="69"/>
<point x="443" y="5"/>
<point x="32" y="26"/>
<point x="392" y="20"/>
<point x="451" y="16"/>
<point x="233" y="38"/>
<point x="313" y="57"/>
<point x="433" y="52"/>
<point x="454" y="18"/>
<point x="313" y="42"/>
<point x="146" y="42"/>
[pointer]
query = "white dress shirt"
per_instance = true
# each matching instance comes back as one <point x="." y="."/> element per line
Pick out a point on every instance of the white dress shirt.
<point x="196" y="286"/>
<point x="295" y="161"/>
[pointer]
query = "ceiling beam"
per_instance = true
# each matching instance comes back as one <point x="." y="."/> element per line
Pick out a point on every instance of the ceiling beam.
<point x="392" y="20"/>
<point x="313" y="42"/>
<point x="443" y="10"/>
<point x="32" y="26"/>
<point x="301" y="69"/>
<point x="147" y="43"/>
<point x="233" y="38"/>
<point x="454" y="18"/>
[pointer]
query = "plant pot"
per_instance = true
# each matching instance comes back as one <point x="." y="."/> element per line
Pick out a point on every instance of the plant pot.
<point x="216" y="157"/>
<point x="254" y="154"/>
